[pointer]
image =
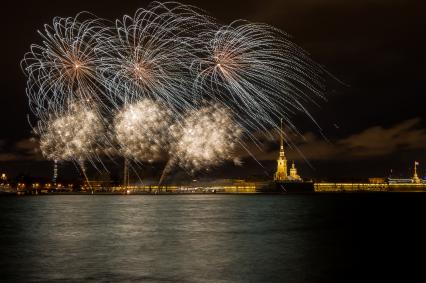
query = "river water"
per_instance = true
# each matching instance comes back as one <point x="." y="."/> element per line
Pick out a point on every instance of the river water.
<point x="212" y="238"/>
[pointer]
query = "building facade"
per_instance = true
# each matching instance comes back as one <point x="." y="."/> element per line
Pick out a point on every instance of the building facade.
<point x="282" y="171"/>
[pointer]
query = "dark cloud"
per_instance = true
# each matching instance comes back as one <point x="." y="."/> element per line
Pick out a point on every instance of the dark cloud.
<point x="22" y="150"/>
<point x="29" y="146"/>
<point x="6" y="157"/>
<point x="370" y="143"/>
<point x="379" y="141"/>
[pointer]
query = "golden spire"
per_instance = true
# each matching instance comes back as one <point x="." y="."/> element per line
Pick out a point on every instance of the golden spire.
<point x="416" y="178"/>
<point x="282" y="153"/>
<point x="281" y="173"/>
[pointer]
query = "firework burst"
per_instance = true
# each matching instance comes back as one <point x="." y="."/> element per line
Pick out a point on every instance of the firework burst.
<point x="141" y="130"/>
<point x="150" y="53"/>
<point x="64" y="67"/>
<point x="71" y="136"/>
<point x="206" y="137"/>
<point x="258" y="72"/>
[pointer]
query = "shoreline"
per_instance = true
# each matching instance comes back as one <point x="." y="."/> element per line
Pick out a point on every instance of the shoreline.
<point x="218" y="193"/>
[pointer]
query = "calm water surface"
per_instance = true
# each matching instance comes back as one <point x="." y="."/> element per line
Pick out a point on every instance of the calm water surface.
<point x="212" y="238"/>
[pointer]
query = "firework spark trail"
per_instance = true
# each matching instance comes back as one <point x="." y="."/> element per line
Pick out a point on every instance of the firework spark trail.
<point x="148" y="55"/>
<point x="141" y="130"/>
<point x="64" y="67"/>
<point x="205" y="138"/>
<point x="258" y="72"/>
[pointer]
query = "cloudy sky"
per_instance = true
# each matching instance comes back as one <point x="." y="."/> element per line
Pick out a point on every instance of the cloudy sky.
<point x="374" y="121"/>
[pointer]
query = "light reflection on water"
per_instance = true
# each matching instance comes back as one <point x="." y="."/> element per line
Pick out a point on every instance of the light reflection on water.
<point x="190" y="238"/>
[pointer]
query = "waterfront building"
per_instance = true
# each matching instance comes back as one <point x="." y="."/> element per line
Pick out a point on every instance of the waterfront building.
<point x="376" y="180"/>
<point x="416" y="178"/>
<point x="282" y="173"/>
<point x="293" y="173"/>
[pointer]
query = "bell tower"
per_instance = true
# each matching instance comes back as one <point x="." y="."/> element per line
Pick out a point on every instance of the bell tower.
<point x="416" y="178"/>
<point x="281" y="173"/>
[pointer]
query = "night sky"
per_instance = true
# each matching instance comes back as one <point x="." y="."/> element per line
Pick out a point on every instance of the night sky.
<point x="373" y="121"/>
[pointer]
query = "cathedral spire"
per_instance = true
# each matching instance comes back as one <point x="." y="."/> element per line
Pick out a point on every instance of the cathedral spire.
<point x="281" y="134"/>
<point x="282" y="153"/>
<point x="281" y="173"/>
<point x="416" y="178"/>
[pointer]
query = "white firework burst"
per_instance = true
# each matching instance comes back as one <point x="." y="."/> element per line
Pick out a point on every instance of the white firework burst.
<point x="71" y="136"/>
<point x="141" y="130"/>
<point x="64" y="66"/>
<point x="149" y="55"/>
<point x="205" y="138"/>
<point x="258" y="72"/>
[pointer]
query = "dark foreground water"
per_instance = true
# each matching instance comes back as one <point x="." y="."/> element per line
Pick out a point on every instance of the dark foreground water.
<point x="213" y="238"/>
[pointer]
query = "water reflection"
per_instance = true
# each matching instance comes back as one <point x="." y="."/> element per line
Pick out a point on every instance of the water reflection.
<point x="191" y="238"/>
